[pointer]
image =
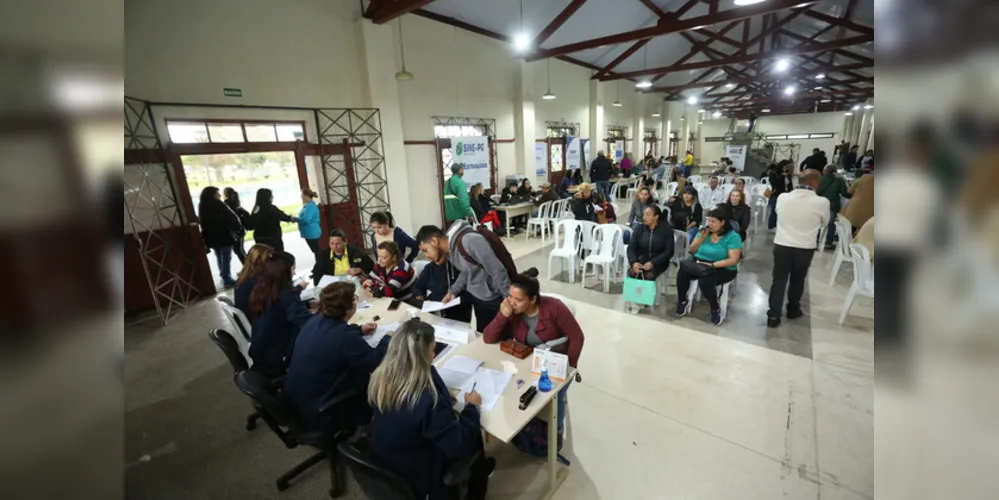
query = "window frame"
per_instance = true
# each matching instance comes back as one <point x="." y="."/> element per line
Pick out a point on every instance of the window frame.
<point x="207" y="122"/>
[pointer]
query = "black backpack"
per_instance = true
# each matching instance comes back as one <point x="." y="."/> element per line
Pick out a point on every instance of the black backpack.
<point x="495" y="243"/>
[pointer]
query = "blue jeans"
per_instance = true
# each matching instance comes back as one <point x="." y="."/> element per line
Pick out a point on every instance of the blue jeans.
<point x="605" y="188"/>
<point x="831" y="232"/>
<point x="772" y="210"/>
<point x="223" y="256"/>
<point x="691" y="234"/>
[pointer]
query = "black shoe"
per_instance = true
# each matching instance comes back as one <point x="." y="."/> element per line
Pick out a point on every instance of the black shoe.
<point x="773" y="322"/>
<point x="794" y="313"/>
<point x="489" y="466"/>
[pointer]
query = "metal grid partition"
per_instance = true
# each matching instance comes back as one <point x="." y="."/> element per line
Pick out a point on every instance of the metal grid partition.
<point x="152" y="209"/>
<point x="561" y="129"/>
<point x="360" y="130"/>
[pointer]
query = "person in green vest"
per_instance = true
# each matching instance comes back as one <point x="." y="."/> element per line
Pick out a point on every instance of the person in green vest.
<point x="456" y="206"/>
<point x="832" y="188"/>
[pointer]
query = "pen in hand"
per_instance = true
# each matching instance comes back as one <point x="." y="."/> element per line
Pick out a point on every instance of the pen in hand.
<point x="473" y="386"/>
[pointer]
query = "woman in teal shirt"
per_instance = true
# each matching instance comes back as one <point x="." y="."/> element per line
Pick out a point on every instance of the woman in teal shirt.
<point x="719" y="248"/>
<point x="308" y="220"/>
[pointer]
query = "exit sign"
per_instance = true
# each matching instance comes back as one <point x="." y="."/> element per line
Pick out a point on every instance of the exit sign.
<point x="232" y="92"/>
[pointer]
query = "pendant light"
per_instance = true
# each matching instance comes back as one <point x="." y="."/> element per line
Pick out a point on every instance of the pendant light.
<point x="402" y="75"/>
<point x="617" y="100"/>
<point x="549" y="95"/>
<point x="644" y="84"/>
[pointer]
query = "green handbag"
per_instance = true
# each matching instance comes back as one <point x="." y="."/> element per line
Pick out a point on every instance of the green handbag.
<point x="639" y="291"/>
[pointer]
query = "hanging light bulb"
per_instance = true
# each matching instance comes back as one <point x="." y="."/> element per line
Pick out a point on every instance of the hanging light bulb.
<point x="549" y="95"/>
<point x="645" y="84"/>
<point x="782" y="64"/>
<point x="521" y="42"/>
<point x="716" y="114"/>
<point x="692" y="100"/>
<point x="402" y="75"/>
<point x="617" y="99"/>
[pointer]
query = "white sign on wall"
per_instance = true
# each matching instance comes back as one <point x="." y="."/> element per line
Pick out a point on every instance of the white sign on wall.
<point x="541" y="159"/>
<point x="473" y="152"/>
<point x="738" y="156"/>
<point x="572" y="156"/>
<point x="618" y="146"/>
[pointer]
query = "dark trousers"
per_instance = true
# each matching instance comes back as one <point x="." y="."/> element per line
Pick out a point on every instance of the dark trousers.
<point x="223" y="257"/>
<point x="892" y="273"/>
<point x="478" y="476"/>
<point x="831" y="231"/>
<point x="485" y="310"/>
<point x="313" y="245"/>
<point x="790" y="271"/>
<point x="708" y="284"/>
<point x="461" y="312"/>
<point x="772" y="211"/>
<point x="240" y="251"/>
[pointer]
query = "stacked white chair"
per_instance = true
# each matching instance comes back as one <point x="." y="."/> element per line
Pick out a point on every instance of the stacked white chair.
<point x="568" y="242"/>
<point x="759" y="203"/>
<point x="681" y="246"/>
<point x="541" y="221"/>
<point x="863" y="278"/>
<point x="418" y="266"/>
<point x="241" y="326"/>
<point x="749" y="180"/>
<point x="622" y="253"/>
<point x="844" y="230"/>
<point x="607" y="244"/>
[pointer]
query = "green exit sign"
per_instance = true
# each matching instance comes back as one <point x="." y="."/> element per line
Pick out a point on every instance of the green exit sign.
<point x="232" y="92"/>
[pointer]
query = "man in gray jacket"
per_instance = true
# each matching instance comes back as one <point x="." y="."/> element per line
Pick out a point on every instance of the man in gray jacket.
<point x="483" y="283"/>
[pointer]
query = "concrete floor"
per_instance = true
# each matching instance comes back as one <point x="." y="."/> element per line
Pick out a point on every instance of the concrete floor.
<point x="669" y="408"/>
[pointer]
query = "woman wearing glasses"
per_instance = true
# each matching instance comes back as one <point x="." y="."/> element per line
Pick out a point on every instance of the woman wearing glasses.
<point x="332" y="357"/>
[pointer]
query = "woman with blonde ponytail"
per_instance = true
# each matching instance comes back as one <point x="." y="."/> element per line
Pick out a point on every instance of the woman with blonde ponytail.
<point x="415" y="431"/>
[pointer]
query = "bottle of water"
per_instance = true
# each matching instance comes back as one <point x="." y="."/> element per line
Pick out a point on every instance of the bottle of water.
<point x="544" y="383"/>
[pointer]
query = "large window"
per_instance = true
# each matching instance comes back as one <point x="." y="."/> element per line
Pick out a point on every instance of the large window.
<point x="791" y="137"/>
<point x="209" y="131"/>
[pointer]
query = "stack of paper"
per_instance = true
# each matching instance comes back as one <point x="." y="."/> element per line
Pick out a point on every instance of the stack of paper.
<point x="376" y="337"/>
<point x="490" y="384"/>
<point x="458" y="370"/>
<point x="451" y="334"/>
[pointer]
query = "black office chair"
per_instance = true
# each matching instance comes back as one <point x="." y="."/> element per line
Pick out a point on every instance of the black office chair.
<point x="273" y="408"/>
<point x="379" y="483"/>
<point x="230" y="348"/>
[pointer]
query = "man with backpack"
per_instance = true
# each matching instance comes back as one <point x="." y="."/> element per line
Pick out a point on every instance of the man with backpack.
<point x="483" y="263"/>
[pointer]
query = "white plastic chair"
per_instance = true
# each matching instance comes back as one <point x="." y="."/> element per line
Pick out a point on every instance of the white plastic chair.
<point x="693" y="179"/>
<point x="241" y="326"/>
<point x="681" y="246"/>
<point x="863" y="278"/>
<point x="622" y="252"/>
<point x="723" y="295"/>
<point x="759" y="203"/>
<point x="607" y="245"/>
<point x="671" y="189"/>
<point x="567" y="247"/>
<point x="749" y="180"/>
<point x="541" y="221"/>
<point x="617" y="187"/>
<point x="418" y="266"/>
<point x="844" y="230"/>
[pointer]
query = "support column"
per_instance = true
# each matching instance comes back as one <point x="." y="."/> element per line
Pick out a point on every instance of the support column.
<point x="865" y="130"/>
<point x="523" y="122"/>
<point x="377" y="46"/>
<point x="855" y="127"/>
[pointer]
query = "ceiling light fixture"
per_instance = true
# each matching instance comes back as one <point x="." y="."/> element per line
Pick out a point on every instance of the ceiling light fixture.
<point x="855" y="107"/>
<point x="692" y="100"/>
<point x="730" y="85"/>
<point x="848" y="113"/>
<point x="402" y="75"/>
<point x="521" y="42"/>
<point x="766" y="110"/>
<point x="826" y="100"/>
<point x="820" y="76"/>
<point x="645" y="84"/>
<point x="868" y="106"/>
<point x="741" y="3"/>
<point x="782" y="64"/>
<point x="656" y="114"/>
<point x="549" y="95"/>
<point x="789" y="90"/>
<point x="818" y="88"/>
<point x="617" y="100"/>
<point x="716" y="114"/>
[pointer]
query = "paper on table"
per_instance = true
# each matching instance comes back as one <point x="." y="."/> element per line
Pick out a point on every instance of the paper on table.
<point x="376" y="337"/>
<point x="327" y="280"/>
<point x="490" y="384"/>
<point x="458" y="370"/>
<point x="451" y="334"/>
<point x="308" y="294"/>
<point x="598" y="208"/>
<point x="363" y="304"/>
<point x="430" y="306"/>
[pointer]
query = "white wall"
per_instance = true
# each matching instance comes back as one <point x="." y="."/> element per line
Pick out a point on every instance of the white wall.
<point x="808" y="123"/>
<point x="291" y="53"/>
<point x="571" y="85"/>
<point x="712" y="151"/>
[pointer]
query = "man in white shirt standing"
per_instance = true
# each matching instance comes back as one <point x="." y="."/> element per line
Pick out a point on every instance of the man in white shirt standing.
<point x="801" y="214"/>
<point x="715" y="195"/>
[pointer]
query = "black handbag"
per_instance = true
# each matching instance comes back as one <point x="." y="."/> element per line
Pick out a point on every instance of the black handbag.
<point x="695" y="269"/>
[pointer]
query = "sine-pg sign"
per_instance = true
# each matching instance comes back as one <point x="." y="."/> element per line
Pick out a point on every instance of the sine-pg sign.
<point x="228" y="92"/>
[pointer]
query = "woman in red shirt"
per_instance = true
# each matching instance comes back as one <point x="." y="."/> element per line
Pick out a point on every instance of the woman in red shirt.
<point x="392" y="276"/>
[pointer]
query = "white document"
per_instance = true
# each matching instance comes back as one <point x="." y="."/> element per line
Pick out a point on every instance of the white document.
<point x="451" y="334"/>
<point x="490" y="384"/>
<point x="309" y="294"/>
<point x="380" y="332"/>
<point x="430" y="306"/>
<point x="363" y="305"/>
<point x="458" y="370"/>
<point x="597" y="208"/>
<point x="327" y="280"/>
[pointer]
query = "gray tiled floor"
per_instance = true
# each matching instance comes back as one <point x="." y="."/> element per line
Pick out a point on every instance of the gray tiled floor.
<point x="746" y="319"/>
